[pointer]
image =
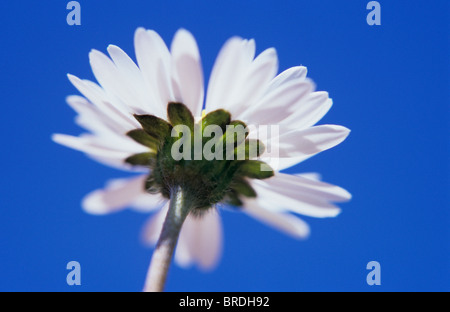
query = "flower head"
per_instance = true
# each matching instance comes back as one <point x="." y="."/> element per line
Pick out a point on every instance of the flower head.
<point x="140" y="115"/>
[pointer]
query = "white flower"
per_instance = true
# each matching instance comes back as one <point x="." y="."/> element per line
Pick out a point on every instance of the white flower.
<point x="242" y="84"/>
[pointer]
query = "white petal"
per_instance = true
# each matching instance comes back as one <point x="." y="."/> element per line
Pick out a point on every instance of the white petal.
<point x="309" y="112"/>
<point x="188" y="71"/>
<point x="125" y="65"/>
<point x="183" y="255"/>
<point x="310" y="175"/>
<point x="293" y="73"/>
<point x="312" y="140"/>
<point x="113" y="81"/>
<point x="298" y="145"/>
<point x="309" y="187"/>
<point x="154" y="60"/>
<point x="231" y="65"/>
<point x="148" y="202"/>
<point x="280" y="195"/>
<point x="117" y="163"/>
<point x="117" y="195"/>
<point x="89" y="116"/>
<point x="284" y="222"/>
<point x="152" y="228"/>
<point x="201" y="240"/>
<point x="133" y="82"/>
<point x="104" y="146"/>
<point x="101" y="147"/>
<point x="278" y="104"/>
<point x="253" y="83"/>
<point x="116" y="112"/>
<point x="124" y="85"/>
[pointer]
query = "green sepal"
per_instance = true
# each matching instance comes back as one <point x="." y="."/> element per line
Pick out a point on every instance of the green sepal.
<point x="151" y="186"/>
<point x="154" y="126"/>
<point x="252" y="148"/>
<point x="255" y="169"/>
<point x="242" y="187"/>
<point x="179" y="114"/>
<point x="218" y="117"/>
<point x="237" y="137"/>
<point x="236" y="123"/>
<point x="232" y="138"/>
<point x="232" y="198"/>
<point x="142" y="159"/>
<point x="142" y="137"/>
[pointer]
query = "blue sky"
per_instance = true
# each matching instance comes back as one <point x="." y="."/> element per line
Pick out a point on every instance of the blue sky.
<point x="390" y="86"/>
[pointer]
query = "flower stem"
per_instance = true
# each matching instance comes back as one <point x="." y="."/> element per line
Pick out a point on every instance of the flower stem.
<point x="179" y="208"/>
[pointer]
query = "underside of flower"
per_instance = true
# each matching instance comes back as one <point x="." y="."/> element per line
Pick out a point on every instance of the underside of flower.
<point x="211" y="160"/>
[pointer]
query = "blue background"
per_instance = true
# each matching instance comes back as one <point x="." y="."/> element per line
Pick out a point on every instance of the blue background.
<point x="390" y="86"/>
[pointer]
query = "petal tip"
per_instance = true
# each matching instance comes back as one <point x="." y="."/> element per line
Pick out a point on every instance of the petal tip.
<point x="54" y="137"/>
<point x="346" y="131"/>
<point x="91" y="204"/>
<point x="112" y="47"/>
<point x="72" y="78"/>
<point x="93" y="54"/>
<point x="347" y="195"/>
<point x="139" y="30"/>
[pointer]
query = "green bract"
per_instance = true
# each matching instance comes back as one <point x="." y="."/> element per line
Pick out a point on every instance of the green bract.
<point x="211" y="160"/>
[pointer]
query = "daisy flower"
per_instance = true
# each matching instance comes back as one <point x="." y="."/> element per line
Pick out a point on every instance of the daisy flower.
<point x="132" y="114"/>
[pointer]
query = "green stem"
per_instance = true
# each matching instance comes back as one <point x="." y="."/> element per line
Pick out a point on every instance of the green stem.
<point x="179" y="208"/>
